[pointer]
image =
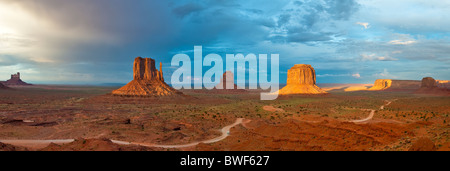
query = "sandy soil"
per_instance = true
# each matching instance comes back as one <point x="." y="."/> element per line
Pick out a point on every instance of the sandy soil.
<point x="86" y="113"/>
<point x="272" y="109"/>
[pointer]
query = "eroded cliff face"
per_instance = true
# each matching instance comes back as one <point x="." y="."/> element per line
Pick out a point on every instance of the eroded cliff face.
<point x="431" y="86"/>
<point x="384" y="84"/>
<point x="144" y="69"/>
<point x="148" y="81"/>
<point x="301" y="74"/>
<point x="15" y="81"/>
<point x="301" y="80"/>
<point x="381" y="84"/>
<point x="429" y="82"/>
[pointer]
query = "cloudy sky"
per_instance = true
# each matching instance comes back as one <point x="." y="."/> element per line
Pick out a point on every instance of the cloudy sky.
<point x="346" y="41"/>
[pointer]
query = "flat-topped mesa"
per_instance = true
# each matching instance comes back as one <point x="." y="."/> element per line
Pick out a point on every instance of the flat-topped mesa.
<point x="147" y="81"/>
<point x="429" y="82"/>
<point x="385" y="84"/>
<point x="301" y="74"/>
<point x="432" y="86"/>
<point x="381" y="84"/>
<point x="301" y="79"/>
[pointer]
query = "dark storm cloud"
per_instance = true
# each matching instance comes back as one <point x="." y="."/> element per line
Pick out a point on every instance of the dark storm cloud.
<point x="310" y="21"/>
<point x="187" y="9"/>
<point x="10" y="60"/>
<point x="98" y="40"/>
<point x="341" y="9"/>
<point x="283" y="19"/>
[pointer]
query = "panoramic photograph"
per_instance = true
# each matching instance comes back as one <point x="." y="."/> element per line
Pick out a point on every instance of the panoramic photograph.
<point x="224" y="75"/>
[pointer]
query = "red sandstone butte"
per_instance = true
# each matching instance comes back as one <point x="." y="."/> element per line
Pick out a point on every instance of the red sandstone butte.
<point x="147" y="81"/>
<point x="301" y="79"/>
<point x="227" y="78"/>
<point x="15" y="81"/>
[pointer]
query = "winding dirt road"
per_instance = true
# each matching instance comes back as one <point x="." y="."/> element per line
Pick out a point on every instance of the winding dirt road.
<point x="372" y="112"/>
<point x="43" y="143"/>
<point x="225" y="133"/>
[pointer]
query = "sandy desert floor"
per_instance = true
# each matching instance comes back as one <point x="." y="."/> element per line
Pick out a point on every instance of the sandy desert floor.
<point x="393" y="120"/>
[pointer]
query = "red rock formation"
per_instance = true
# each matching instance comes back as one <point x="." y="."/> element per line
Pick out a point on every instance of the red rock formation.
<point x="227" y="78"/>
<point x="430" y="86"/>
<point x="381" y="84"/>
<point x="301" y="80"/>
<point x="3" y="86"/>
<point x="405" y="84"/>
<point x="148" y="81"/>
<point x="428" y="82"/>
<point x="384" y="84"/>
<point x="95" y="144"/>
<point x="15" y="81"/>
<point x="423" y="144"/>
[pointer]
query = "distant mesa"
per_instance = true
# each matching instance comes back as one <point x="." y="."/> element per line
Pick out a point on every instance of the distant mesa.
<point x="381" y="84"/>
<point x="443" y="83"/>
<point x="301" y="79"/>
<point x="388" y="84"/>
<point x="431" y="86"/>
<point x="429" y="82"/>
<point x="147" y="81"/>
<point x="228" y="79"/>
<point x="15" y="81"/>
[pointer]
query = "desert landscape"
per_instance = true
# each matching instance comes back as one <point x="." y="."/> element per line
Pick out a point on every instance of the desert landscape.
<point x="224" y="75"/>
<point x="147" y="115"/>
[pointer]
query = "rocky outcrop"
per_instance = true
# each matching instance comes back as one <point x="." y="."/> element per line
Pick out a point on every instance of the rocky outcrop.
<point x="3" y="86"/>
<point x="405" y="84"/>
<point x="384" y="84"/>
<point x="9" y="147"/>
<point x="430" y="86"/>
<point x="15" y="81"/>
<point x="148" y="81"/>
<point x="227" y="78"/>
<point x="95" y="144"/>
<point x="301" y="79"/>
<point x="423" y="144"/>
<point x="381" y="84"/>
<point x="428" y="82"/>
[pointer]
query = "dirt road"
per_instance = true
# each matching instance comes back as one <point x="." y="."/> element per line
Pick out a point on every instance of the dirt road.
<point x="43" y="143"/>
<point x="372" y="112"/>
<point x="225" y="133"/>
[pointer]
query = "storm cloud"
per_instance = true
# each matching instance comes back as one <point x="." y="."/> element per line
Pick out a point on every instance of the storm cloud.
<point x="83" y="41"/>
